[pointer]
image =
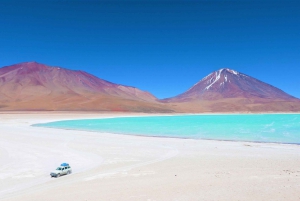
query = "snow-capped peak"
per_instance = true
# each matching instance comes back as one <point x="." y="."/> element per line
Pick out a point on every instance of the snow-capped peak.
<point x="217" y="77"/>
<point x="228" y="83"/>
<point x="222" y="75"/>
<point x="229" y="70"/>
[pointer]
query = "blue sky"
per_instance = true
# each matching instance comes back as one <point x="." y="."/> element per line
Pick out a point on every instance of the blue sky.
<point x="163" y="47"/>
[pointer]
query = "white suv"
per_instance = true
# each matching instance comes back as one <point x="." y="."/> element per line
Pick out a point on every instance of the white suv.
<point x="63" y="169"/>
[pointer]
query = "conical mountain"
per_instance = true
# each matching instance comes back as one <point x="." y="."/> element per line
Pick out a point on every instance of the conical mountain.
<point x="227" y="90"/>
<point x="227" y="83"/>
<point x="35" y="86"/>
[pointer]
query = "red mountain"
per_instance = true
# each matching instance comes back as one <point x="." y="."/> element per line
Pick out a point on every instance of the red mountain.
<point x="35" y="86"/>
<point x="229" y="90"/>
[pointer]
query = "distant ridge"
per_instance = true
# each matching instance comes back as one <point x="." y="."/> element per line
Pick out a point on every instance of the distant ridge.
<point x="35" y="86"/>
<point x="32" y="86"/>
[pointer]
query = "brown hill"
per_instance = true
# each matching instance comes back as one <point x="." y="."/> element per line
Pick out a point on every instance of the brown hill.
<point x="227" y="90"/>
<point x="34" y="86"/>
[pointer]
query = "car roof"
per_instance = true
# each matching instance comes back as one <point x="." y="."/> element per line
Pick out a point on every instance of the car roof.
<point x="63" y="166"/>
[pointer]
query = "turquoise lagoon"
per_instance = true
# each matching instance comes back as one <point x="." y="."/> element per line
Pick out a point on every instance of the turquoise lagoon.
<point x="277" y="128"/>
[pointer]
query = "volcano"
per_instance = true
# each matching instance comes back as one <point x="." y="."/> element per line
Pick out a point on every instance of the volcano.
<point x="35" y="86"/>
<point x="227" y="83"/>
<point x="227" y="90"/>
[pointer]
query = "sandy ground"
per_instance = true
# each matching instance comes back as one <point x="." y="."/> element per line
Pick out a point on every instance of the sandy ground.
<point x="120" y="167"/>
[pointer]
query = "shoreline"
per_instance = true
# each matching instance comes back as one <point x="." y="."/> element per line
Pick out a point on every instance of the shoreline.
<point x="138" y="113"/>
<point x="156" y="136"/>
<point x="184" y="138"/>
<point x="138" y="168"/>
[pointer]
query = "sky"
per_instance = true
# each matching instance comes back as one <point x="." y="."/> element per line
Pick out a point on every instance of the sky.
<point x="163" y="47"/>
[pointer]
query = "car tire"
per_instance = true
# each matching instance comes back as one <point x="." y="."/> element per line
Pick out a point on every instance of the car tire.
<point x="58" y="175"/>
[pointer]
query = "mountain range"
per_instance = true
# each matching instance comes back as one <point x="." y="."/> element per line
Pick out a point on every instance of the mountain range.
<point x="34" y="86"/>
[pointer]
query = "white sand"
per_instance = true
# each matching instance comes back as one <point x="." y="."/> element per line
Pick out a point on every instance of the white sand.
<point x="120" y="167"/>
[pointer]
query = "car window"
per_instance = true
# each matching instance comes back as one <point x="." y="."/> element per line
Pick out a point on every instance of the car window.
<point x="63" y="168"/>
<point x="58" y="168"/>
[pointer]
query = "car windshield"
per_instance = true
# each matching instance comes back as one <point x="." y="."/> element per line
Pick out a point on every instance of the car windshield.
<point x="58" y="168"/>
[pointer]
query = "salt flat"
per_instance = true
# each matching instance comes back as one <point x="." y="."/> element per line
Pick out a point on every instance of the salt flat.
<point x="122" y="167"/>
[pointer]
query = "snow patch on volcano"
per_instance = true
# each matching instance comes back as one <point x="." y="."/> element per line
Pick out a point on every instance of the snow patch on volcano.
<point x="217" y="77"/>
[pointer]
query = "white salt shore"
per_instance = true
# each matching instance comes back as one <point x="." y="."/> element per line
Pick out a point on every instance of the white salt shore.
<point x="123" y="167"/>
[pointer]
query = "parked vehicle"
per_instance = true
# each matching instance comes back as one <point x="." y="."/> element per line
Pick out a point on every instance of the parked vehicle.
<point x="63" y="169"/>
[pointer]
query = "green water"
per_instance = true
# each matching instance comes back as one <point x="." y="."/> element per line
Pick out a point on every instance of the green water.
<point x="279" y="128"/>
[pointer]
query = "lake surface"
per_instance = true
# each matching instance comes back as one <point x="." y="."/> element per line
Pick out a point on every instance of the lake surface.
<point x="279" y="128"/>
